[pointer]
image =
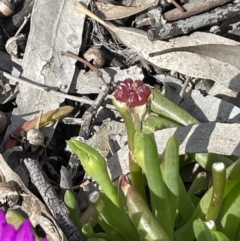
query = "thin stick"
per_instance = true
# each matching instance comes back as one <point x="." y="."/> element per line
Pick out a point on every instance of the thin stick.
<point x="23" y="25"/>
<point x="177" y="6"/>
<point x="184" y="87"/>
<point x="93" y="68"/>
<point x="46" y="89"/>
<point x="90" y="14"/>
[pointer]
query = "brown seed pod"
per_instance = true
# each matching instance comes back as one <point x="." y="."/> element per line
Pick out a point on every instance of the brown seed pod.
<point x="96" y="55"/>
<point x="35" y="137"/>
<point x="3" y="122"/>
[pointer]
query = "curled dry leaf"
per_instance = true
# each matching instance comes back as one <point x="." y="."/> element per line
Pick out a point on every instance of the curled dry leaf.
<point x="35" y="137"/>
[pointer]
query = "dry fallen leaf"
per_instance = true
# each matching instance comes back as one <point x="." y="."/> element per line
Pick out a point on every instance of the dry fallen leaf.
<point x="111" y="11"/>
<point x="55" y="26"/>
<point x="188" y="63"/>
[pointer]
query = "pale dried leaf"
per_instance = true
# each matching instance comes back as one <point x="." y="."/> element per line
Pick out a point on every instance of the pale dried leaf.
<point x="8" y="93"/>
<point x="200" y="38"/>
<point x="187" y="63"/>
<point x="222" y="52"/>
<point x="111" y="11"/>
<point x="202" y="138"/>
<point x="99" y="141"/>
<point x="55" y="26"/>
<point x="89" y="83"/>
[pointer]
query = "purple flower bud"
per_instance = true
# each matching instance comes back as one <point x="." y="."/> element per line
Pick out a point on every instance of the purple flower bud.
<point x="132" y="93"/>
<point x="9" y="233"/>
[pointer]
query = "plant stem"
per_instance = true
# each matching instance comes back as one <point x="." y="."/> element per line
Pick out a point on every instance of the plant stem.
<point x="136" y="175"/>
<point x="219" y="180"/>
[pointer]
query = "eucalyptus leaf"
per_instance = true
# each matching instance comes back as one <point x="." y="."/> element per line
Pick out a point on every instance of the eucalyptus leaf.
<point x="111" y="11"/>
<point x="188" y="63"/>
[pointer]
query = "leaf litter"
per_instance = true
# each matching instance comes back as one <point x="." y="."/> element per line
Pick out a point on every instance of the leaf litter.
<point x="46" y="78"/>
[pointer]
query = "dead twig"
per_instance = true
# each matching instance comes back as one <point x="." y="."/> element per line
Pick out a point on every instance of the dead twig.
<point x="46" y="88"/>
<point x="184" y="87"/>
<point x="89" y="114"/>
<point x="51" y="199"/>
<point x="179" y="7"/>
<point x="193" y="7"/>
<point x="188" y="25"/>
<point x="88" y="117"/>
<point x="90" y="66"/>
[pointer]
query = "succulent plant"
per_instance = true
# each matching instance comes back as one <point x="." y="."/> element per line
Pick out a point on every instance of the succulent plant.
<point x="170" y="213"/>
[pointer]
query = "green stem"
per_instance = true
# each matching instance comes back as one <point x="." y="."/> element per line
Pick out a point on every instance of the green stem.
<point x="72" y="205"/>
<point x="219" y="180"/>
<point x="88" y="231"/>
<point x="185" y="205"/>
<point x="135" y="170"/>
<point x="154" y="122"/>
<point x="206" y="160"/>
<point x="230" y="214"/>
<point x="169" y="110"/>
<point x="103" y="236"/>
<point x="96" y="239"/>
<point x="220" y="236"/>
<point x="147" y="157"/>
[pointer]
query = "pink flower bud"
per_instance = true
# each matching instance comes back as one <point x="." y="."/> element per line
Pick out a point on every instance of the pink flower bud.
<point x="132" y="93"/>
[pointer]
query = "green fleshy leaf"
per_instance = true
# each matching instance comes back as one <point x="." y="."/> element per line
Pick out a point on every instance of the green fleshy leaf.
<point x="95" y="165"/>
<point x="201" y="231"/>
<point x="72" y="205"/>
